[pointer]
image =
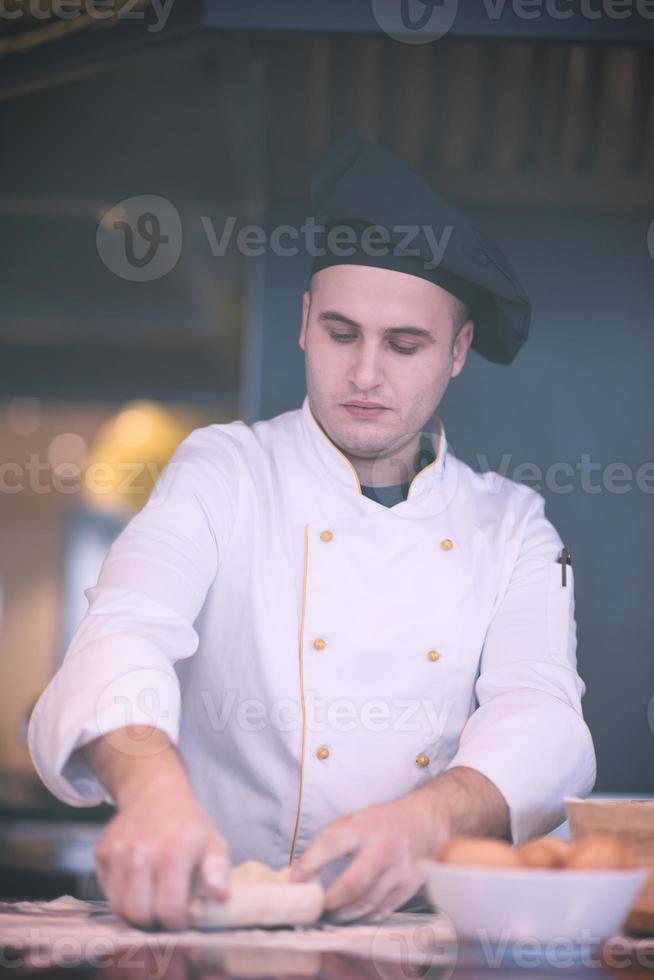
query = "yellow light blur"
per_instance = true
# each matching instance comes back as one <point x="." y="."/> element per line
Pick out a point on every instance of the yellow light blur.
<point x="129" y="453"/>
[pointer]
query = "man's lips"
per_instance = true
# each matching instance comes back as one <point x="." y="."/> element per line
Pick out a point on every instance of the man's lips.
<point x="356" y="404"/>
<point x="364" y="411"/>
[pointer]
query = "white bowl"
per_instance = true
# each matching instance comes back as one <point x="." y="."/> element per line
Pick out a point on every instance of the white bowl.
<point x="543" y="905"/>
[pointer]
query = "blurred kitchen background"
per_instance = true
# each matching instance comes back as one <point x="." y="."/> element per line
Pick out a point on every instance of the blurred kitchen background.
<point x="543" y="127"/>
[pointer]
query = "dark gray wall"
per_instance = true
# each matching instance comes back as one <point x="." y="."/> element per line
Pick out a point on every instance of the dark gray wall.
<point x="581" y="388"/>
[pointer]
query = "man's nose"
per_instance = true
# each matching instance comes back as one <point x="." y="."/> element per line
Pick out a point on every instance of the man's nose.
<point x="366" y="370"/>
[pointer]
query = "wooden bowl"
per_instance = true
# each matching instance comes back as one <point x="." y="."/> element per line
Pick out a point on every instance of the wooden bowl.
<point x="632" y="822"/>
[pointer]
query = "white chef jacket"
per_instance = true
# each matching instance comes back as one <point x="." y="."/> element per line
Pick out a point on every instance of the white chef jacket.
<point x="311" y="651"/>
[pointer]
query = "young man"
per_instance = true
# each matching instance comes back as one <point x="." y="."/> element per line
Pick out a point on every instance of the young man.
<point x="325" y="640"/>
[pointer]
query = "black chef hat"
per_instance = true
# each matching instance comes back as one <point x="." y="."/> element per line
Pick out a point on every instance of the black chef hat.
<point x="384" y="205"/>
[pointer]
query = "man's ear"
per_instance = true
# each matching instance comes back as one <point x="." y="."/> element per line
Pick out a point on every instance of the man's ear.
<point x="461" y="347"/>
<point x="306" y="305"/>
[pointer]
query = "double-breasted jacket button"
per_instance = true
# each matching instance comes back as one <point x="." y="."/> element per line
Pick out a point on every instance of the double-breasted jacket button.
<point x="447" y="544"/>
<point x="322" y="753"/>
<point x="422" y="760"/>
<point x="326" y="535"/>
<point x="319" y="643"/>
<point x="433" y="655"/>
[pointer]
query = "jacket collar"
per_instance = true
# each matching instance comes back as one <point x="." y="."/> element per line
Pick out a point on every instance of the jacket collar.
<point x="334" y="465"/>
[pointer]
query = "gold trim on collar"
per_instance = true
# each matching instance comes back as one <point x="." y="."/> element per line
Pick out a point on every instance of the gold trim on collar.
<point x="330" y="441"/>
<point x="349" y="463"/>
<point x="434" y="461"/>
<point x="302" y="700"/>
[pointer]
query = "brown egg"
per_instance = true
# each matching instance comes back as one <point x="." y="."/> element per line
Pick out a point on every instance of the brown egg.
<point x="600" y="852"/>
<point x="544" y="852"/>
<point x="558" y="846"/>
<point x="482" y="851"/>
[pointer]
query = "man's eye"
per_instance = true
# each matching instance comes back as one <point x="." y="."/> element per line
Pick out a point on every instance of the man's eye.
<point x="404" y="350"/>
<point x="344" y="338"/>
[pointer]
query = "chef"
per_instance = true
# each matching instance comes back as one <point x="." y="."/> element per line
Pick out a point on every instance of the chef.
<point x="325" y="640"/>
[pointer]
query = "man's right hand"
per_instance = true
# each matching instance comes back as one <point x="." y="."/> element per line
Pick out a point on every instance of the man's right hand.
<point x="160" y="839"/>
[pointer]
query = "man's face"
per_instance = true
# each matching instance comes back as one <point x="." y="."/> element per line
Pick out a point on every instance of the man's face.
<point x="381" y="336"/>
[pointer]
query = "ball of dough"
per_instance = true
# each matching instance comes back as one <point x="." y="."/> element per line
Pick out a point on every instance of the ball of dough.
<point x="260" y="896"/>
<point x="482" y="851"/>
<point x="257" y="871"/>
<point x="544" y="852"/>
<point x="600" y="852"/>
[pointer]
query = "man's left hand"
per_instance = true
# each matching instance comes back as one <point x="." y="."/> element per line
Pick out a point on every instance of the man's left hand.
<point x="385" y="842"/>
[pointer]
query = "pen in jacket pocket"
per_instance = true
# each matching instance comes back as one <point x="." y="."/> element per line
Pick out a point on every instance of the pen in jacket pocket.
<point x="564" y="559"/>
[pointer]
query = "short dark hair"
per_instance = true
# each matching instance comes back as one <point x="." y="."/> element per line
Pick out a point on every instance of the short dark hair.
<point x="460" y="315"/>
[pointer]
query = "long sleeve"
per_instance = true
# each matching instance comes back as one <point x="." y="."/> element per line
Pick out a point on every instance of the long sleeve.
<point x="118" y="669"/>
<point x="528" y="735"/>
